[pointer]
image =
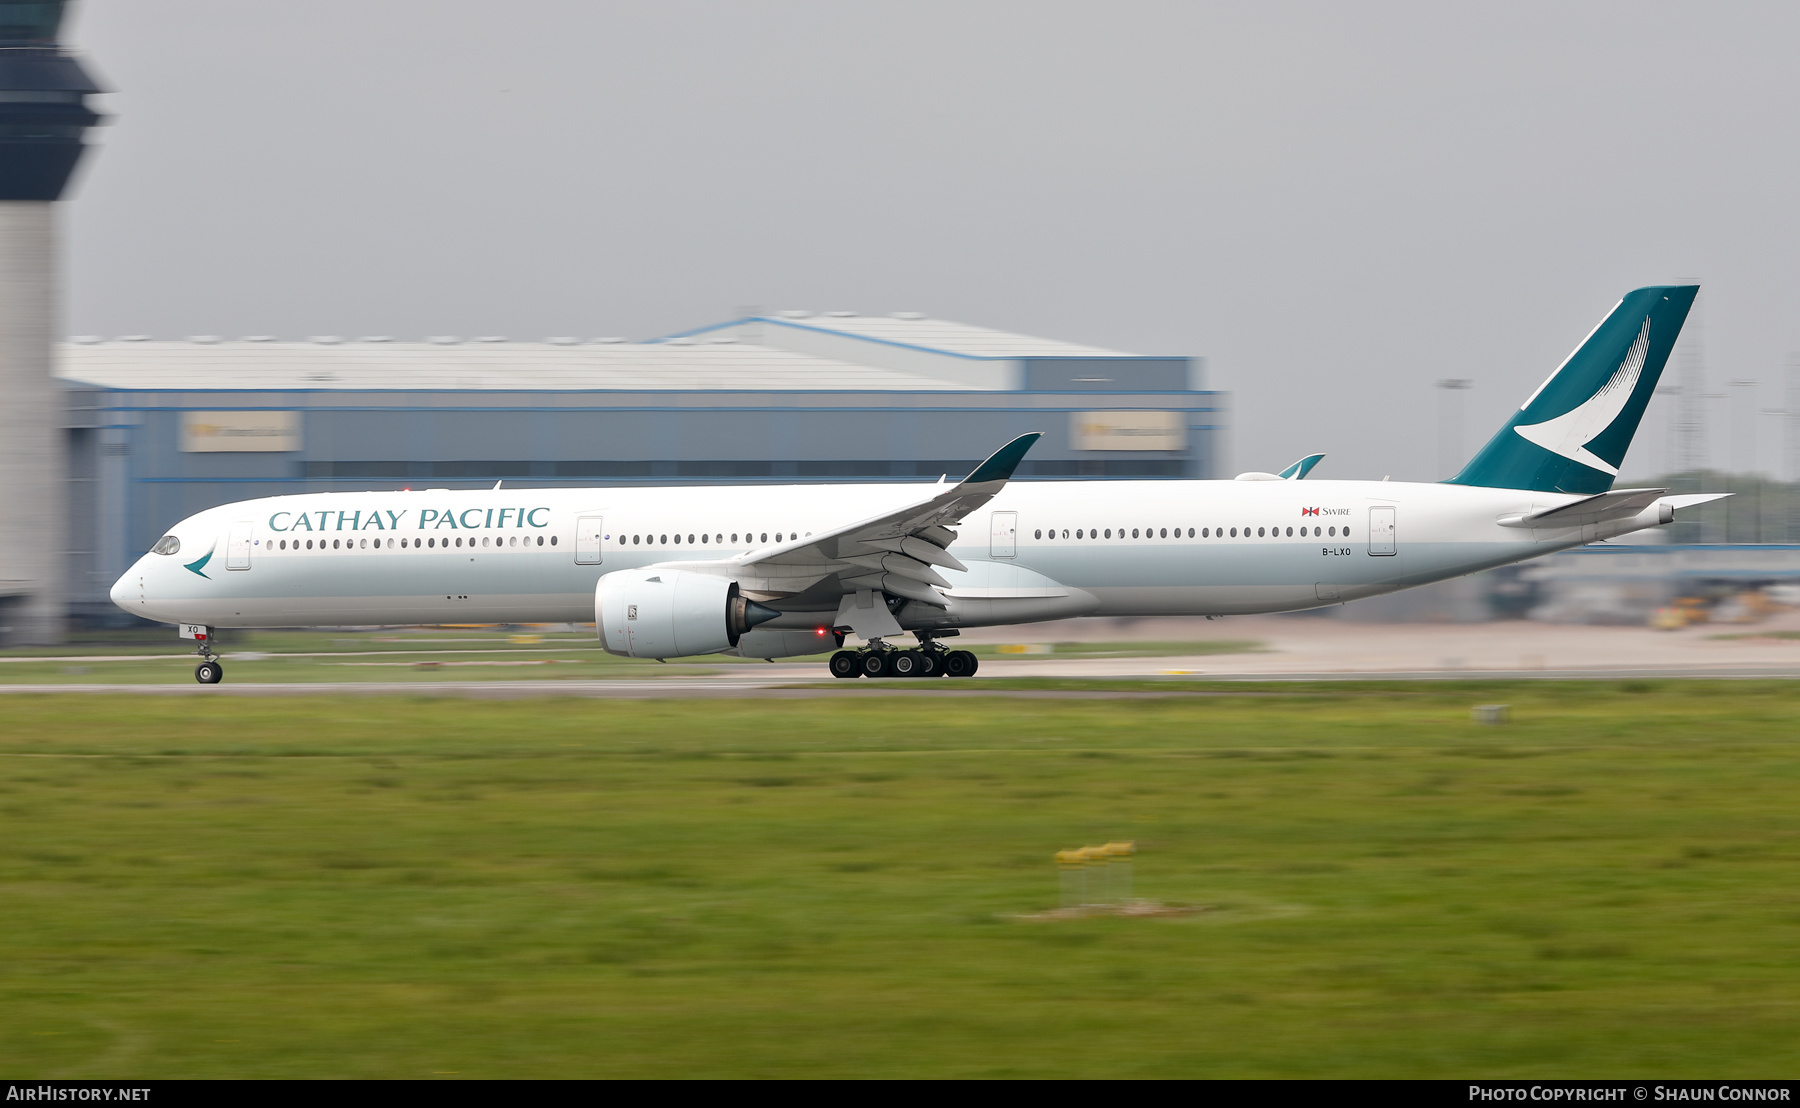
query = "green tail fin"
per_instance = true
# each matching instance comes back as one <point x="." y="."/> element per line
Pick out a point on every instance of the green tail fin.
<point x="1571" y="435"/>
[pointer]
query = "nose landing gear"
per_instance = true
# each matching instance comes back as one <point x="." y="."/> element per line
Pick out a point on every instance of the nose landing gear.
<point x="209" y="671"/>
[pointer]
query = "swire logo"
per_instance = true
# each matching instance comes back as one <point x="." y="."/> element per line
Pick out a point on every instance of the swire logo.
<point x="1309" y="511"/>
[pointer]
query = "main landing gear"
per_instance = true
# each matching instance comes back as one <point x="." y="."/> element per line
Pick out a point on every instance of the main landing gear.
<point x="881" y="660"/>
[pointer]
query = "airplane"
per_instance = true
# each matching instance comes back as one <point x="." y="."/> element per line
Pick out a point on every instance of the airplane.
<point x="789" y="571"/>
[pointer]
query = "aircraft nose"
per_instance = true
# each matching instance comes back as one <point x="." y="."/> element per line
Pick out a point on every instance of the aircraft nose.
<point x="125" y="592"/>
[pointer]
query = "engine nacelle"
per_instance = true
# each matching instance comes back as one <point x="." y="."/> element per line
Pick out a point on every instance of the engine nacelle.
<point x="672" y="613"/>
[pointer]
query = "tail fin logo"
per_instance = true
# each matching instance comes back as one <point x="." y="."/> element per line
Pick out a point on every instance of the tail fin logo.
<point x="1568" y="434"/>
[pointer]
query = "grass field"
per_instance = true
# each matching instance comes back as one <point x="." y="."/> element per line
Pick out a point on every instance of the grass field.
<point x="393" y="887"/>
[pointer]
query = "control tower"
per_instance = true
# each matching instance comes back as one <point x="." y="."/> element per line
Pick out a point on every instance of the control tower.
<point x="43" y="115"/>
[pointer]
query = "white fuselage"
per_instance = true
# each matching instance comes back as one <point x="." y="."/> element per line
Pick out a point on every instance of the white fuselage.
<point x="1038" y="550"/>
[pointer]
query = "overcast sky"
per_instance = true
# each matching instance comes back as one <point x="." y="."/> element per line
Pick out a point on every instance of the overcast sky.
<point x="1335" y="205"/>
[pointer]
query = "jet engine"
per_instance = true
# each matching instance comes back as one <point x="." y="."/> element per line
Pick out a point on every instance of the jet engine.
<point x="672" y="613"/>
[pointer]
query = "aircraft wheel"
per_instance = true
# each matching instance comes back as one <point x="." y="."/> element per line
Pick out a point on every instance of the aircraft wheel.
<point x="209" y="673"/>
<point x="959" y="663"/>
<point x="907" y="663"/>
<point x="843" y="664"/>
<point x="875" y="663"/>
<point x="930" y="665"/>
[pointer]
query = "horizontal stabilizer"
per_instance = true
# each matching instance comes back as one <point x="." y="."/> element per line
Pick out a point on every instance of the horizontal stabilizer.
<point x="1608" y="506"/>
<point x="1594" y="509"/>
<point x="1694" y="499"/>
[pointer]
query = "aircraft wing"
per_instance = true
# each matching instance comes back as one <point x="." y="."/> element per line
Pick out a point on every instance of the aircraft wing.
<point x="893" y="552"/>
<point x="1299" y="470"/>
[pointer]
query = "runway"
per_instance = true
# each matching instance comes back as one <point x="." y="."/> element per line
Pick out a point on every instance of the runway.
<point x="778" y="687"/>
<point x="1262" y="649"/>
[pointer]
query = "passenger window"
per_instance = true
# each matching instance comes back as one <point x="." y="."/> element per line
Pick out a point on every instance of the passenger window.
<point x="1164" y="533"/>
<point x="1234" y="532"/>
<point x="1334" y="532"/>
<point x="1134" y="532"/>
<point x="540" y="540"/>
<point x="1290" y="533"/>
<point x="1259" y="532"/>
<point x="665" y="540"/>
<point x="1038" y="534"/>
<point x="677" y="540"/>
<point x="765" y="537"/>
<point x="1077" y="532"/>
<point x="1206" y="532"/>
<point x="552" y="541"/>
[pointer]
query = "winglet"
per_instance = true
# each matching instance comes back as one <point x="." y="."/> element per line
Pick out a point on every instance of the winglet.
<point x="1002" y="462"/>
<point x="1299" y="470"/>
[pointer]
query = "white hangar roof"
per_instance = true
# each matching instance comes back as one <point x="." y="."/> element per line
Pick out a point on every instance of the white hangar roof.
<point x="560" y="366"/>
<point x="790" y="351"/>
<point x="911" y="329"/>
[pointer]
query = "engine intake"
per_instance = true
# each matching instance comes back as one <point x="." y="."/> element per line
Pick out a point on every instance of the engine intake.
<point x="672" y="613"/>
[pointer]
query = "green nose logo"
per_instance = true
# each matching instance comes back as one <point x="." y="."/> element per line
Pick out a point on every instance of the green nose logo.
<point x="199" y="563"/>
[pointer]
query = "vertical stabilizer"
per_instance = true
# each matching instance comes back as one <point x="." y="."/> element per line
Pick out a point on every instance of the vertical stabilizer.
<point x="1572" y="433"/>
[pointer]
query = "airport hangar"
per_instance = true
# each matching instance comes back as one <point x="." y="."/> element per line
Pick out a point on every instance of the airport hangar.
<point x="159" y="430"/>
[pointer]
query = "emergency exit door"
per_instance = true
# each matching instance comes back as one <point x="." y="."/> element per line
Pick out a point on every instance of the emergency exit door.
<point x="1003" y="539"/>
<point x="1381" y="531"/>
<point x="588" y="532"/>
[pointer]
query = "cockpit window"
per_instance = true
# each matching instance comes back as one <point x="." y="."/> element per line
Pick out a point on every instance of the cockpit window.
<point x="168" y="544"/>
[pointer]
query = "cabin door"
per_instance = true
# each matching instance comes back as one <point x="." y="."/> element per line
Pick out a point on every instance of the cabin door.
<point x="588" y="531"/>
<point x="1381" y="531"/>
<point x="237" y="545"/>
<point x="1003" y="540"/>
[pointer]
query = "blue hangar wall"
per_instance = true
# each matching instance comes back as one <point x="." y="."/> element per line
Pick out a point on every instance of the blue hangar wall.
<point x="136" y="468"/>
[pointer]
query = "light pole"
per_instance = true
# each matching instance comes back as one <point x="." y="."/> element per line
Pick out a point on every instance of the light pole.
<point x="1450" y="424"/>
